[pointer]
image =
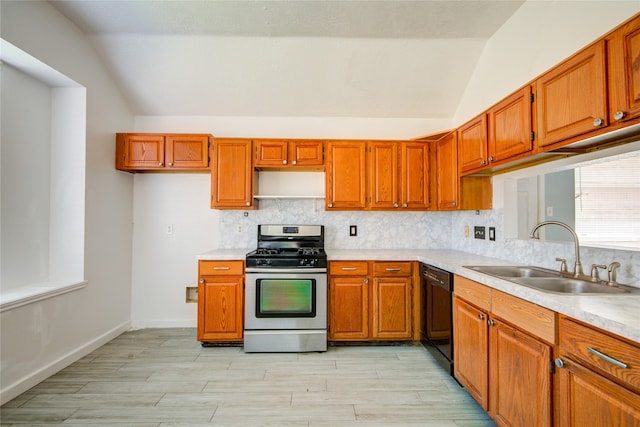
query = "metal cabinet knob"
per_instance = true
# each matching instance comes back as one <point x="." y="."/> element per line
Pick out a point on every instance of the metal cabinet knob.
<point x="330" y="205"/>
<point x="248" y="203"/>
<point x="619" y="115"/>
<point x="559" y="363"/>
<point x="201" y="280"/>
<point x="483" y="162"/>
<point x="295" y="162"/>
<point x="160" y="164"/>
<point x="404" y="205"/>
<point x="598" y="122"/>
<point x="171" y="164"/>
<point x="395" y="205"/>
<point x="491" y="322"/>
<point x="491" y="159"/>
<point x="481" y="316"/>
<point x="284" y="162"/>
<point x="365" y="281"/>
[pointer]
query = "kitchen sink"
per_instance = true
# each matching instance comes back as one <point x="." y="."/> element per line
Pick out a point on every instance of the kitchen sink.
<point x="566" y="285"/>
<point x="513" y="271"/>
<point x="546" y="280"/>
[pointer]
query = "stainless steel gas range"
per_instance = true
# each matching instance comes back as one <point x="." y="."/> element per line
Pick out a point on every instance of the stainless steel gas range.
<point x="286" y="290"/>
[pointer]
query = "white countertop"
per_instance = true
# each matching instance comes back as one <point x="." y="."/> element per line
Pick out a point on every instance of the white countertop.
<point x="618" y="314"/>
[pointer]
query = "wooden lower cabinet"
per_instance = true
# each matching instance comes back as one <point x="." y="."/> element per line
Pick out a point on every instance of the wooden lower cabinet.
<point x="370" y="301"/>
<point x="220" y="301"/>
<point x="598" y="376"/>
<point x="505" y="369"/>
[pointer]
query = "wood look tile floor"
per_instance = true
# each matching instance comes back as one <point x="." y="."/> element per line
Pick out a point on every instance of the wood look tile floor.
<point x="164" y="377"/>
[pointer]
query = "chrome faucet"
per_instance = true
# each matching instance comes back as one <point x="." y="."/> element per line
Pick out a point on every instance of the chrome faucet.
<point x="577" y="269"/>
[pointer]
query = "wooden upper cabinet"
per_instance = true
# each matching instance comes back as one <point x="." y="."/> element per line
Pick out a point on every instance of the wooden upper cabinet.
<point x="346" y="175"/>
<point x="448" y="190"/>
<point x="624" y="72"/>
<point x="572" y="97"/>
<point x="414" y="179"/>
<point x="472" y="144"/>
<point x="399" y="174"/>
<point x="278" y="153"/>
<point x="384" y="171"/>
<point x="158" y="152"/>
<point x="510" y="126"/>
<point x="231" y="174"/>
<point x="187" y="151"/>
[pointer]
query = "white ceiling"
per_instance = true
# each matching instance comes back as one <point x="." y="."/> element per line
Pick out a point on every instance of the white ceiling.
<point x="385" y="58"/>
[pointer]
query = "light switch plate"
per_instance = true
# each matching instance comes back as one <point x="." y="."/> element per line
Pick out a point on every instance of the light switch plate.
<point x="353" y="230"/>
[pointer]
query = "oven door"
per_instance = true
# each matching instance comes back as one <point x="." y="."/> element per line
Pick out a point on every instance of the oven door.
<point x="286" y="299"/>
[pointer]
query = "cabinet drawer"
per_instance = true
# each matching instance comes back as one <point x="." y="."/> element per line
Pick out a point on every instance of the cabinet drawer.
<point x="601" y="352"/>
<point x="392" y="269"/>
<point x="348" y="268"/>
<point x="220" y="268"/>
<point x="527" y="316"/>
<point x="472" y="292"/>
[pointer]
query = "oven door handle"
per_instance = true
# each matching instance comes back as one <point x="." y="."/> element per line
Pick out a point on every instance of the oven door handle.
<point x="285" y="270"/>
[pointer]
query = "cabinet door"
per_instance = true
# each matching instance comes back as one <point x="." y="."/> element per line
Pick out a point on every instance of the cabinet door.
<point x="472" y="144"/>
<point x="471" y="350"/>
<point x="520" y="378"/>
<point x="231" y="174"/>
<point x="383" y="163"/>
<point x="346" y="175"/>
<point x="586" y="399"/>
<point x="509" y="124"/>
<point x="187" y="151"/>
<point x="348" y="308"/>
<point x="414" y="181"/>
<point x="447" y="172"/>
<point x="271" y="153"/>
<point x="624" y="72"/>
<point x="220" y="308"/>
<point x="306" y="153"/>
<point x="143" y="151"/>
<point x="572" y="97"/>
<point x="391" y="308"/>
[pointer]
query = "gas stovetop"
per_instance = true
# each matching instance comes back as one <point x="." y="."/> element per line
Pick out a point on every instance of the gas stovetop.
<point x="289" y="246"/>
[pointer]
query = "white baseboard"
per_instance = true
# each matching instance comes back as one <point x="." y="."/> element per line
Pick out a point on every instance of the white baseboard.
<point x="16" y="389"/>
<point x="153" y="324"/>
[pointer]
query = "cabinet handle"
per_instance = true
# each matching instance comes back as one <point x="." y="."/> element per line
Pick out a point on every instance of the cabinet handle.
<point x="365" y="281"/>
<point x="490" y="322"/>
<point x="481" y="316"/>
<point x="220" y="268"/>
<point x="606" y="358"/>
<point x="248" y="203"/>
<point x="404" y="205"/>
<point x="483" y="162"/>
<point x="395" y="205"/>
<point x="160" y="164"/>
<point x="619" y="115"/>
<point x="295" y="162"/>
<point x="393" y="269"/>
<point x="559" y="363"/>
<point x="201" y="280"/>
<point x="349" y="268"/>
<point x="598" y="122"/>
<point x="454" y="204"/>
<point x="284" y="162"/>
<point x="171" y="164"/>
<point x="491" y="159"/>
<point x="330" y="205"/>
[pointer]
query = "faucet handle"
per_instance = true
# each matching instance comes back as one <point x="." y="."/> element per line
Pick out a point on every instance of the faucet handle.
<point x="595" y="276"/>
<point x="612" y="273"/>
<point x="563" y="265"/>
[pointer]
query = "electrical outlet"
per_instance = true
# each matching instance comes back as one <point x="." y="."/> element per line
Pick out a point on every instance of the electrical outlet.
<point x="238" y="228"/>
<point x="478" y="232"/>
<point x="169" y="229"/>
<point x="353" y="230"/>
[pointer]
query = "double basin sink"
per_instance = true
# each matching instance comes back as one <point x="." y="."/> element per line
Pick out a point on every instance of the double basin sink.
<point x="547" y="280"/>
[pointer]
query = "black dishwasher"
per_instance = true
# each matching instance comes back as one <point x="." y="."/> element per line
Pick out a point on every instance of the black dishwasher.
<point x="438" y="313"/>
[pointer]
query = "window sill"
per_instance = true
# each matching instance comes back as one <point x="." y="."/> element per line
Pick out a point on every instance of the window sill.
<point x="37" y="292"/>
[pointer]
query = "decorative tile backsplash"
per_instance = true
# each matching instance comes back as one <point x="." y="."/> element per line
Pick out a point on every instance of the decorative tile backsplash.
<point x="415" y="230"/>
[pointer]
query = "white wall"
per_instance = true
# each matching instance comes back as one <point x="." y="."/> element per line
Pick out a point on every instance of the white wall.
<point x="42" y="337"/>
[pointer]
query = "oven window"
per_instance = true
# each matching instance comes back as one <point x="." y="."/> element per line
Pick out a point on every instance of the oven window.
<point x="285" y="298"/>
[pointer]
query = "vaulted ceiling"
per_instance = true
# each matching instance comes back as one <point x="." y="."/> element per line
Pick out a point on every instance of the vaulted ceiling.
<point x="354" y="58"/>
